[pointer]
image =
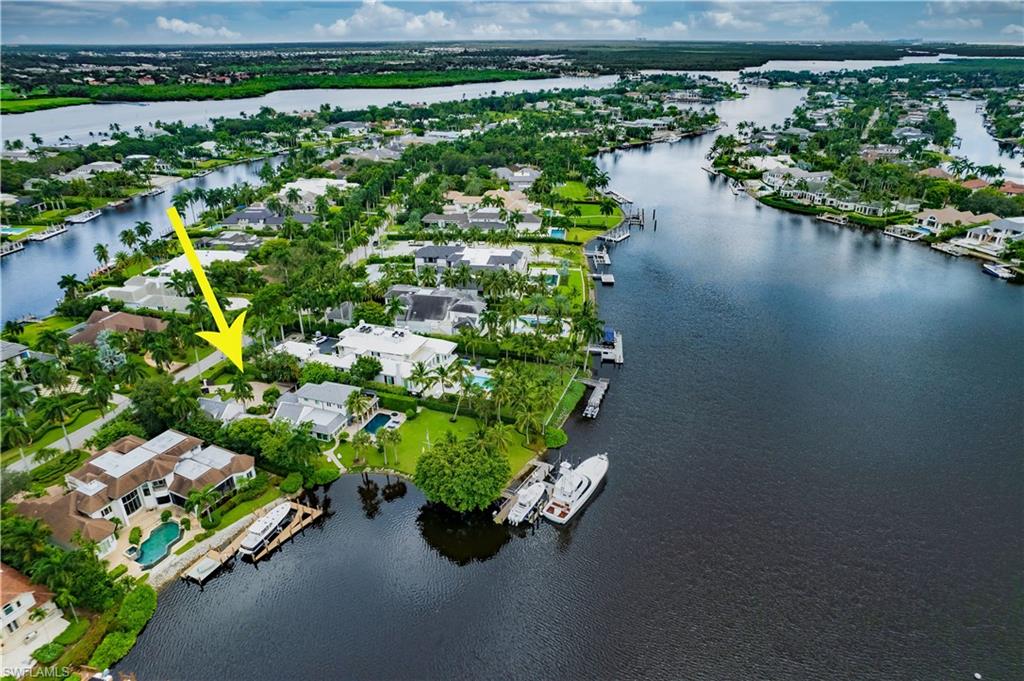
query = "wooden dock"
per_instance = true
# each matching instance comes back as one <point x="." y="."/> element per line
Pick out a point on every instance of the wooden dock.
<point x="600" y="387"/>
<point x="605" y="278"/>
<point x="534" y="471"/>
<point x="214" y="559"/>
<point x="905" y="232"/>
<point x="613" y="353"/>
<point x="617" y="235"/>
<point x="599" y="257"/>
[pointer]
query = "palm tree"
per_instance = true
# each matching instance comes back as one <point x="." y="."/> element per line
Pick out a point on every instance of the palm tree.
<point x="102" y="254"/>
<point x="160" y="351"/>
<point x="52" y="341"/>
<point x="241" y="389"/>
<point x="53" y="569"/>
<point x="389" y="436"/>
<point x="17" y="395"/>
<point x="70" y="284"/>
<point x="128" y="238"/>
<point x="133" y="371"/>
<point x="202" y="501"/>
<point x="360" y="443"/>
<point x="528" y="419"/>
<point x="66" y="600"/>
<point x="16" y="432"/>
<point x="143" y="230"/>
<point x="422" y="377"/>
<point x="99" y="392"/>
<point x="357" y="403"/>
<point x="53" y="410"/>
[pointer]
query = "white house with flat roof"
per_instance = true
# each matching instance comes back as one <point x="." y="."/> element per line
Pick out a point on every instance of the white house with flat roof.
<point x="309" y="190"/>
<point x="29" y="621"/>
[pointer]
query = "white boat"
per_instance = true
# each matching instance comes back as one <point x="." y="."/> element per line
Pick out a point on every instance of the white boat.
<point x="525" y="502"/>
<point x="1001" y="271"/>
<point x="574" y="488"/>
<point x="264" y="529"/>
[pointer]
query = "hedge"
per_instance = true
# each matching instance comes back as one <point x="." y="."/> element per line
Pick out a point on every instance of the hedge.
<point x="292" y="483"/>
<point x="74" y="631"/>
<point x="54" y="470"/>
<point x="135" y="536"/>
<point x="79" y="654"/>
<point x="48" y="653"/>
<point x="114" y="646"/>
<point x="396" y="402"/>
<point x="137" y="608"/>
<point x="118" y="571"/>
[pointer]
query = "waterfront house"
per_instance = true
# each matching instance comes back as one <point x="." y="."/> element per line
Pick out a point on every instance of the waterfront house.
<point x="937" y="219"/>
<point x="30" y="620"/>
<point x="132" y="475"/>
<point x="477" y="258"/>
<point x="487" y="218"/>
<point x="343" y="128"/>
<point x="436" y="310"/>
<point x="397" y="350"/>
<point x="324" y="405"/>
<point x="909" y="135"/>
<point x="13" y="354"/>
<point x="783" y="176"/>
<point x="118" y="322"/>
<point x="992" y="239"/>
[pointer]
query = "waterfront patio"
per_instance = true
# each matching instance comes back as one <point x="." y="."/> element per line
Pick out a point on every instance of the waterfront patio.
<point x="147" y="521"/>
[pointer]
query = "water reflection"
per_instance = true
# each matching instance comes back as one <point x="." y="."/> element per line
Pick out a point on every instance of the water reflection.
<point x="462" y="538"/>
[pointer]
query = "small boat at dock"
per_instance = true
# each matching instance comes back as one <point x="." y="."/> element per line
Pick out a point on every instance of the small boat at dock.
<point x="263" y="530"/>
<point x="526" y="501"/>
<point x="995" y="270"/>
<point x="574" y="488"/>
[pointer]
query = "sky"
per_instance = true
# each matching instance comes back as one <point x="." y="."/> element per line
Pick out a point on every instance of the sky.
<point x="156" y="22"/>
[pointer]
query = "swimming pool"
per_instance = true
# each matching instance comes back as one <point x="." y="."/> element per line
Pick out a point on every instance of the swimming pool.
<point x="376" y="423"/>
<point x="557" y="233"/>
<point x="158" y="544"/>
<point x="13" y="231"/>
<point x="482" y="381"/>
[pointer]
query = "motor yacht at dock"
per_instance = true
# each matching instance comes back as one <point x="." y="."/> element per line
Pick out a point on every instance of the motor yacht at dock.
<point x="263" y="530"/>
<point x="525" y="503"/>
<point x="574" y="487"/>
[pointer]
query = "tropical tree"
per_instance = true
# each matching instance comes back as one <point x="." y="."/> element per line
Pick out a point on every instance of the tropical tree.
<point x="53" y="410"/>
<point x="361" y="442"/>
<point x="357" y="403"/>
<point x="389" y="437"/>
<point x="98" y="393"/>
<point x="16" y="432"/>
<point x="241" y="389"/>
<point x="102" y="254"/>
<point x="202" y="500"/>
<point x="17" y="395"/>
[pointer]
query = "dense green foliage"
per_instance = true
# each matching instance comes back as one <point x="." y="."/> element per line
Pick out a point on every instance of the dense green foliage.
<point x="464" y="475"/>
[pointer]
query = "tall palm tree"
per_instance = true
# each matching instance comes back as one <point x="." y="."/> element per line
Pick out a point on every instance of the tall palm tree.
<point x="133" y="371"/>
<point x="99" y="392"/>
<point x="66" y="600"/>
<point x="69" y="283"/>
<point x="143" y="229"/>
<point x="128" y="238"/>
<point x="422" y="377"/>
<point x="16" y="432"/>
<point x="241" y="389"/>
<point x="102" y="254"/>
<point x="54" y="411"/>
<point x="357" y="403"/>
<point x="17" y="395"/>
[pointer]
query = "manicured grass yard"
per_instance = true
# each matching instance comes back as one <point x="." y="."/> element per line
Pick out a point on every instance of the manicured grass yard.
<point x="577" y="191"/>
<point x="25" y="105"/>
<point x="247" y="507"/>
<point x="414" y="438"/>
<point x="32" y="331"/>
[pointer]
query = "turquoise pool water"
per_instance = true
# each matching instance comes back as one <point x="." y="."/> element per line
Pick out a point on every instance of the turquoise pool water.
<point x="13" y="231"/>
<point x="158" y="544"/>
<point x="376" y="423"/>
<point x="482" y="381"/>
<point x="557" y="233"/>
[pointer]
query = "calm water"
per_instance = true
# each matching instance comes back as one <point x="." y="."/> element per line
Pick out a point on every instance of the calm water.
<point x="78" y="121"/>
<point x="815" y="473"/>
<point x="977" y="144"/>
<point x="29" y="277"/>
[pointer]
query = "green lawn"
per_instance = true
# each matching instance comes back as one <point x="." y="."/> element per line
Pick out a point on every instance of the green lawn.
<point x="414" y="438"/>
<point x="11" y="106"/>
<point x="247" y="507"/>
<point x="577" y="191"/>
<point x="54" y="434"/>
<point x="32" y="331"/>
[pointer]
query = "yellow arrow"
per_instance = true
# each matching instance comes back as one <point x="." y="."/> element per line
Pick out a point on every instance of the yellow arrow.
<point x="227" y="339"/>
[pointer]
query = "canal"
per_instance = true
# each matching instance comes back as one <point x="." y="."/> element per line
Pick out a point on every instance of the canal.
<point x="29" y="277"/>
<point x="815" y="473"/>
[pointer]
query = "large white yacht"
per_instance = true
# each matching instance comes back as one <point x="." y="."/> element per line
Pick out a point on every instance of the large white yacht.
<point x="574" y="488"/>
<point x="525" y="503"/>
<point x="263" y="530"/>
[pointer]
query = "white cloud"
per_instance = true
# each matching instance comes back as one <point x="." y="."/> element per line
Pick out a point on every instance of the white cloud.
<point x="491" y="30"/>
<point x="1013" y="29"/>
<point x="183" y="27"/>
<point x="589" y="8"/>
<point x="729" y="19"/>
<point x="950" y="22"/>
<point x="120" y="22"/>
<point x="614" y="25"/>
<point x="374" y="17"/>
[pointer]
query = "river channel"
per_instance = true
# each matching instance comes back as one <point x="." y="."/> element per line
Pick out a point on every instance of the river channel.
<point x="815" y="473"/>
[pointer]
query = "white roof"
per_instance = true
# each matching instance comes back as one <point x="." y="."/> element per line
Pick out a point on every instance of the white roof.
<point x="180" y="263"/>
<point x="315" y="185"/>
<point x="371" y="338"/>
<point x="116" y="464"/>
